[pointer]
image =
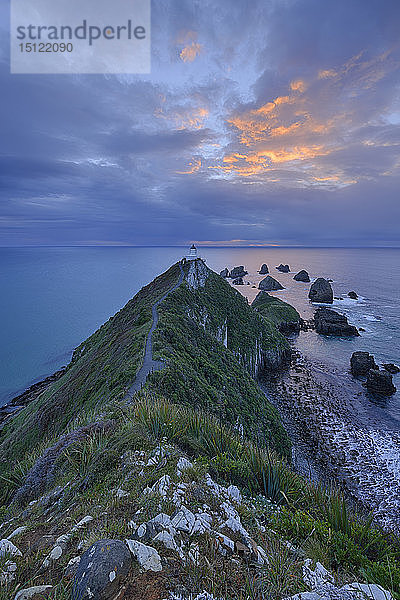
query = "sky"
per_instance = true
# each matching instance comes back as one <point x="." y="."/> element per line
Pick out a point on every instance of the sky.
<point x="263" y="122"/>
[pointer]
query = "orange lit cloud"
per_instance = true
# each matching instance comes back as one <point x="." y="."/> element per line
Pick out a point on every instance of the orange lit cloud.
<point x="184" y="117"/>
<point x="193" y="167"/>
<point x="189" y="53"/>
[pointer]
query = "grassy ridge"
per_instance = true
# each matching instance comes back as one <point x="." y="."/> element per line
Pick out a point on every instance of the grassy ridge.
<point x="100" y="369"/>
<point x="275" y="310"/>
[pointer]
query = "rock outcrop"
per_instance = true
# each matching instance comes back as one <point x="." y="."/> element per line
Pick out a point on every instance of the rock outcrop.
<point x="238" y="272"/>
<point x="283" y="268"/>
<point x="321" y="291"/>
<point x="238" y="281"/>
<point x="302" y="276"/>
<point x="264" y="269"/>
<point x="353" y="295"/>
<point x="224" y="272"/>
<point x="269" y="284"/>
<point x="380" y="382"/>
<point x="361" y="363"/>
<point x="329" y="322"/>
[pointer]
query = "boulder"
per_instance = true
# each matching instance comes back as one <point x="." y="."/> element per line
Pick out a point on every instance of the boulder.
<point x="329" y="322"/>
<point x="264" y="269"/>
<point x="389" y="367"/>
<point x="380" y="382"/>
<point x="283" y="268"/>
<point x="269" y="284"/>
<point x="224" y="272"/>
<point x="237" y="272"/>
<point x="238" y="281"/>
<point x="101" y="570"/>
<point x="353" y="295"/>
<point x="147" y="556"/>
<point x="302" y="276"/>
<point x="361" y="363"/>
<point x="321" y="291"/>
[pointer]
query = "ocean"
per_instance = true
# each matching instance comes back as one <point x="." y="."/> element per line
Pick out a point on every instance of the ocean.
<point x="53" y="298"/>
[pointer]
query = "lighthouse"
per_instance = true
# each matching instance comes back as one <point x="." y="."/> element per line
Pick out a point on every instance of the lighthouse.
<point x="192" y="253"/>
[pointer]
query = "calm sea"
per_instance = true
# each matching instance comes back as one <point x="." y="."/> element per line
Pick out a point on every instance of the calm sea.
<point x="53" y="298"/>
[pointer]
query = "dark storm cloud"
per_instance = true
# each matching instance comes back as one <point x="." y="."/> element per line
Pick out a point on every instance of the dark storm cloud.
<point x="264" y="121"/>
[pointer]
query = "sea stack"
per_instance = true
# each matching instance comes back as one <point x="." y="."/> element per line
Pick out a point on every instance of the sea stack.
<point x="353" y="295"/>
<point x="224" y="272"/>
<point x="238" y="272"/>
<point x="329" y="322"/>
<point x="264" y="269"/>
<point x="283" y="268"/>
<point x="361" y="363"/>
<point x="270" y="284"/>
<point x="380" y="382"/>
<point x="321" y="291"/>
<point x="302" y="276"/>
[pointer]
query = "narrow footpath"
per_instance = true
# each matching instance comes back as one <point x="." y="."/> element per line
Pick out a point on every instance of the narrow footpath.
<point x="150" y="365"/>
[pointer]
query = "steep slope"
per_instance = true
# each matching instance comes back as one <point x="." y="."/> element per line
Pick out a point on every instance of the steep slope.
<point x="192" y="321"/>
<point x="281" y="314"/>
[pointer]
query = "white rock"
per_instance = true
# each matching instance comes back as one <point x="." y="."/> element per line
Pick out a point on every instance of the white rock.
<point x="371" y="590"/>
<point x="7" y="547"/>
<point x="224" y="541"/>
<point x="162" y="486"/>
<point x="17" y="532"/>
<point x="162" y="519"/>
<point x="147" y="557"/>
<point x="120" y="493"/>
<point x="235" y="526"/>
<point x="183" y="520"/>
<point x="166" y="538"/>
<point x="82" y="522"/>
<point x="234" y="493"/>
<point x="74" y="561"/>
<point x="317" y="577"/>
<point x="8" y="573"/>
<point x="182" y="465"/>
<point x="28" y="593"/>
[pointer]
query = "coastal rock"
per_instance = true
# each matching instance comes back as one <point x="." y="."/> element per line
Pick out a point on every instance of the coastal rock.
<point x="361" y="363"/>
<point x="329" y="322"/>
<point x="101" y="570"/>
<point x="269" y="284"/>
<point x="302" y="276"/>
<point x="389" y="367"/>
<point x="237" y="272"/>
<point x="380" y="382"/>
<point x="353" y="295"/>
<point x="264" y="269"/>
<point x="283" y="268"/>
<point x="238" y="281"/>
<point x="224" y="272"/>
<point x="321" y="291"/>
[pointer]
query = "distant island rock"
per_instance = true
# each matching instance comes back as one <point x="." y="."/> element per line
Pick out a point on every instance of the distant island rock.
<point x="238" y="281"/>
<point x="329" y="322"/>
<point x="361" y="363"/>
<point x="224" y="272"/>
<point x="238" y="272"/>
<point x="353" y="295"/>
<point x="321" y="291"/>
<point x="269" y="284"/>
<point x="283" y="268"/>
<point x="380" y="382"/>
<point x="264" y="269"/>
<point x="302" y="276"/>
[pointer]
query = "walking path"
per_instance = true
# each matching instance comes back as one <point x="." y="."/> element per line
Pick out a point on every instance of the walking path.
<point x="150" y="365"/>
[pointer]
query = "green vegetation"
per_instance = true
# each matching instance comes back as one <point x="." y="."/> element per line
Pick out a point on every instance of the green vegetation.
<point x="205" y="405"/>
<point x="275" y="310"/>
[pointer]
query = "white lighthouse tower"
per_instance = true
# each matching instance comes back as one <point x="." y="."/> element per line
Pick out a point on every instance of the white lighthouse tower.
<point x="192" y="253"/>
